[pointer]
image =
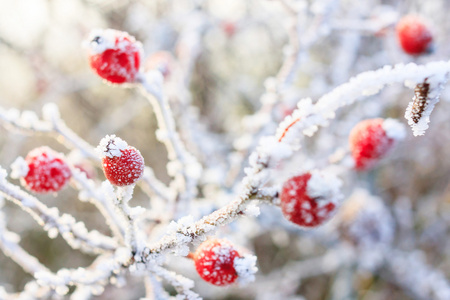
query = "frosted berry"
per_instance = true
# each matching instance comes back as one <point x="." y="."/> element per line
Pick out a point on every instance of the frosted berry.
<point x="310" y="199"/>
<point x="370" y="140"/>
<point x="162" y="61"/>
<point x="229" y="28"/>
<point x="47" y="171"/>
<point x="115" y="55"/>
<point x="214" y="262"/>
<point x="414" y="36"/>
<point x="122" y="164"/>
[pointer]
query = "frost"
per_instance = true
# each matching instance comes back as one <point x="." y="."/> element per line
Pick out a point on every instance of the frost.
<point x="28" y="119"/>
<point x="394" y="129"/>
<point x="111" y="146"/>
<point x="50" y="112"/>
<point x="245" y="267"/>
<point x="369" y="220"/>
<point x="324" y="185"/>
<point x="100" y="40"/>
<point x="62" y="290"/>
<point x="276" y="150"/>
<point x="220" y="169"/>
<point x="153" y="83"/>
<point x="52" y="233"/>
<point x="194" y="170"/>
<point x="252" y="210"/>
<point x="3" y="175"/>
<point x="174" y="167"/>
<point x="19" y="168"/>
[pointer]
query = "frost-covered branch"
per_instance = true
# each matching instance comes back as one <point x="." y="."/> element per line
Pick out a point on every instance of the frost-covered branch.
<point x="154" y="289"/>
<point x="257" y="176"/>
<point x="98" y="196"/>
<point x="106" y="268"/>
<point x="307" y="117"/>
<point x="124" y="195"/>
<point x="181" y="284"/>
<point x="28" y="122"/>
<point x="411" y="272"/>
<point x="153" y="186"/>
<point x="9" y="244"/>
<point x="206" y="73"/>
<point x="183" y="166"/>
<point x="75" y="233"/>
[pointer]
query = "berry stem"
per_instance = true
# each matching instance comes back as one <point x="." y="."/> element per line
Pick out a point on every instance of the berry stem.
<point x="287" y="129"/>
<point x="124" y="195"/>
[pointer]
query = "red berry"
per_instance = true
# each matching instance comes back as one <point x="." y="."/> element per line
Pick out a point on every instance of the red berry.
<point x="414" y="36"/>
<point x="307" y="204"/>
<point x="115" y="55"/>
<point x="47" y="171"/>
<point x="369" y="142"/>
<point x="214" y="261"/>
<point x="162" y="61"/>
<point x="229" y="28"/>
<point x="122" y="164"/>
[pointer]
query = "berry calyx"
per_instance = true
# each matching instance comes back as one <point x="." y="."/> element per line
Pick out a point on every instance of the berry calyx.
<point x="214" y="262"/>
<point x="122" y="164"/>
<point x="114" y="55"/>
<point x="47" y="171"/>
<point x="310" y="199"/>
<point x="370" y="140"/>
<point x="414" y="36"/>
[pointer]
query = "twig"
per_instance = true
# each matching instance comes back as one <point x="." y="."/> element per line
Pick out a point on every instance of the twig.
<point x="75" y="233"/>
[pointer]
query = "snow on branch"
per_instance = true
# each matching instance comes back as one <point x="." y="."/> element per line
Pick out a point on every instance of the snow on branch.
<point x="75" y="233"/>
<point x="412" y="272"/>
<point x="98" y="196"/>
<point x="308" y="116"/>
<point x="183" y="166"/>
<point x="28" y="122"/>
<point x="106" y="268"/>
<point x="221" y="168"/>
<point x="9" y="244"/>
<point x="181" y="284"/>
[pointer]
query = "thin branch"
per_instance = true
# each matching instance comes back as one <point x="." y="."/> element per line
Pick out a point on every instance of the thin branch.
<point x="75" y="233"/>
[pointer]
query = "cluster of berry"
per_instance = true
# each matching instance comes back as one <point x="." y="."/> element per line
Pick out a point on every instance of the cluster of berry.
<point x="116" y="57"/>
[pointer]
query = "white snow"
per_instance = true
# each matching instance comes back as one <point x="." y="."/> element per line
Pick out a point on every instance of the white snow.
<point x="100" y="40"/>
<point x="111" y="146"/>
<point x="324" y="185"/>
<point x="394" y="129"/>
<point x="19" y="168"/>
<point x="50" y="112"/>
<point x="245" y="267"/>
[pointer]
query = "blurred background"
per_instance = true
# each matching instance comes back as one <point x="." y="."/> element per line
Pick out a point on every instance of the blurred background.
<point x="227" y="50"/>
